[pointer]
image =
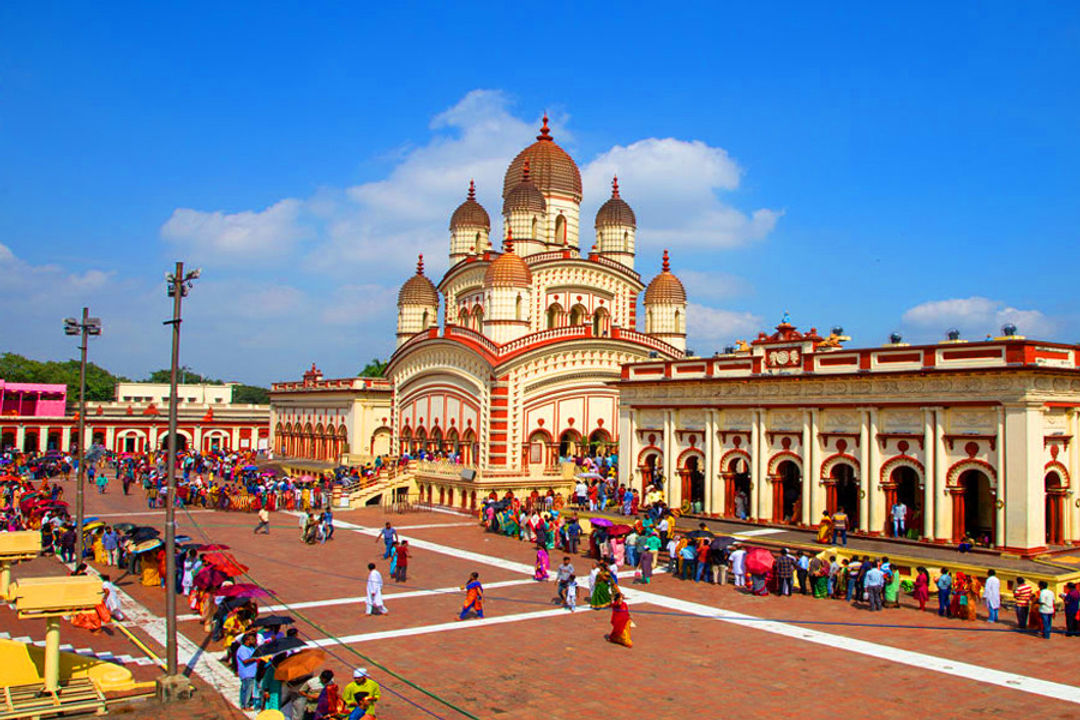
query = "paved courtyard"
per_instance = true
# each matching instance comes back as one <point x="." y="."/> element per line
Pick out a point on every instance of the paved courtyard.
<point x="699" y="649"/>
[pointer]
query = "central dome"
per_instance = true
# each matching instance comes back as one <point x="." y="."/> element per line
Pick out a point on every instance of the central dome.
<point x="552" y="170"/>
<point x="508" y="270"/>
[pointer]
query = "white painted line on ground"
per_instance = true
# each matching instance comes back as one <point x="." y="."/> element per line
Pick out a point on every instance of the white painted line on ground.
<point x="160" y="512"/>
<point x="978" y="673"/>
<point x="436" y="525"/>
<point x="756" y="533"/>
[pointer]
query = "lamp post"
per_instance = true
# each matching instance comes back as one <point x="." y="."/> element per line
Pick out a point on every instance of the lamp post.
<point x="178" y="285"/>
<point x="89" y="326"/>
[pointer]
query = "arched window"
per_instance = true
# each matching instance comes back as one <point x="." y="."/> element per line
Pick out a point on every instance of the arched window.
<point x="678" y="322"/>
<point x="626" y="242"/>
<point x="478" y="318"/>
<point x="578" y="315"/>
<point x="476" y="243"/>
<point x="601" y="322"/>
<point x="555" y="316"/>
<point x="517" y="308"/>
<point x="535" y="227"/>
<point x="648" y="320"/>
<point x="560" y="229"/>
<point x="424" y="321"/>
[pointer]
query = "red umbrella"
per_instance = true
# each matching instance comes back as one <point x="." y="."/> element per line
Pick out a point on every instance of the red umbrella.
<point x="209" y="577"/>
<point x="619" y="530"/>
<point x="244" y="590"/>
<point x="759" y="561"/>
<point x="226" y="563"/>
<point x="210" y="548"/>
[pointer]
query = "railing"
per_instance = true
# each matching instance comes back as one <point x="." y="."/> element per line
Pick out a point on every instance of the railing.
<point x="567" y="332"/>
<point x="619" y="333"/>
<point x="443" y="468"/>
<point x="468" y="334"/>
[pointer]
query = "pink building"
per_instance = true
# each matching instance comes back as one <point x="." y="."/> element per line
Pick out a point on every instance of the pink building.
<point x="32" y="399"/>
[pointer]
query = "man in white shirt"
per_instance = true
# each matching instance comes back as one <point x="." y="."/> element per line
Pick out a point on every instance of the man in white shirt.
<point x="374" y="599"/>
<point x="899" y="513"/>
<point x="992" y="595"/>
<point x="738" y="565"/>
<point x="1046" y="608"/>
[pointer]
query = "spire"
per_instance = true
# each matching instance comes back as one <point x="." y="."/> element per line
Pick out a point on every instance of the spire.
<point x="472" y="190"/>
<point x="420" y="264"/>
<point x="545" y="132"/>
<point x="615" y="186"/>
<point x="525" y="171"/>
<point x="508" y="244"/>
<point x="666" y="266"/>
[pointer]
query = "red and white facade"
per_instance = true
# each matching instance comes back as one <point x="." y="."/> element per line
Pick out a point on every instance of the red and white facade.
<point x="519" y="372"/>
<point x="976" y="438"/>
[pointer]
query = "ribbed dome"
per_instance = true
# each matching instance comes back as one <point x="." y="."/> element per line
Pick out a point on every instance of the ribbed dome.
<point x="665" y="288"/>
<point x="552" y="169"/>
<point x="524" y="197"/>
<point x="470" y="213"/>
<point x="508" y="270"/>
<point x="615" y="211"/>
<point x="418" y="290"/>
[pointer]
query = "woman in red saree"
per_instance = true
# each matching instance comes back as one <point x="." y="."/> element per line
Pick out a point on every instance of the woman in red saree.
<point x="620" y="621"/>
<point x="94" y="619"/>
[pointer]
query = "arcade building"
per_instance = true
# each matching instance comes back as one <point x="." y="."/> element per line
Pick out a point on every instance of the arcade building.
<point x="975" y="439"/>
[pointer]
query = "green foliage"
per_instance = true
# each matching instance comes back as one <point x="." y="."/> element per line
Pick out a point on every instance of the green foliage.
<point x="375" y="368"/>
<point x="100" y="383"/>
<point x="184" y="375"/>
<point x="251" y="394"/>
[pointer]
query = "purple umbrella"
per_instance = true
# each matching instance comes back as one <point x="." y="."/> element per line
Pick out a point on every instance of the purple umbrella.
<point x="600" y="522"/>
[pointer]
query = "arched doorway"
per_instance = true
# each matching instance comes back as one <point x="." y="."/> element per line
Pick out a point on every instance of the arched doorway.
<point x="539" y="450"/>
<point x="905" y="482"/>
<point x="847" y="492"/>
<point x="787" y="507"/>
<point x="975" y="515"/>
<point x="599" y="442"/>
<point x="30" y="441"/>
<point x="556" y="316"/>
<point x="470" y="448"/>
<point x="648" y="469"/>
<point x="737" y="475"/>
<point x="569" y="444"/>
<point x="1055" y="509"/>
<point x="7" y="440"/>
<point x="181" y="442"/>
<point x="601" y="322"/>
<point x="693" y="483"/>
<point x="578" y="315"/>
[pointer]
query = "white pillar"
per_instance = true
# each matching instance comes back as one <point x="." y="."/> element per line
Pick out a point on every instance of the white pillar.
<point x="757" y="473"/>
<point x="627" y="466"/>
<point x="674" y="486"/>
<point x="943" y="503"/>
<point x="1002" y="488"/>
<point x="43" y="439"/>
<point x="807" y="460"/>
<point x="873" y="478"/>
<point x="817" y="491"/>
<point x="713" y="492"/>
<point x="20" y="437"/>
<point x="928" y="475"/>
<point x="65" y="439"/>
<point x="1072" y="511"/>
<point x="110" y="437"/>
<point x="864" y="470"/>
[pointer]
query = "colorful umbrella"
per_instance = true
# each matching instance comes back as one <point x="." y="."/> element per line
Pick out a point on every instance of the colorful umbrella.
<point x="600" y="522"/>
<point x="147" y="545"/>
<point x="305" y="662"/>
<point x="619" y="530"/>
<point x="759" y="561"/>
<point x="244" y="590"/>
<point x="209" y="577"/>
<point x="226" y="563"/>
<point x="210" y="548"/>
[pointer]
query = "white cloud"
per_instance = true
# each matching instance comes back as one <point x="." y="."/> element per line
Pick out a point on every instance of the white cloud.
<point x="247" y="236"/>
<point x="673" y="187"/>
<point x="710" y="284"/>
<point x="709" y="328"/>
<point x="359" y="305"/>
<point x="975" y="317"/>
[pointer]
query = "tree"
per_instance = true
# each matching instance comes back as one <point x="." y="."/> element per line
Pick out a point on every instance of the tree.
<point x="375" y="368"/>
<point x="252" y="394"/>
<point x="183" y="375"/>
<point x="100" y="383"/>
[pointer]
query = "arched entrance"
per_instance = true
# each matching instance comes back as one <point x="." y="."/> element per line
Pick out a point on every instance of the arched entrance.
<point x="30" y="441"/>
<point x="846" y="495"/>
<point x="539" y="450"/>
<point x="569" y="443"/>
<point x="787" y="495"/>
<point x="648" y="466"/>
<point x="973" y="508"/>
<point x="599" y="442"/>
<point x="7" y="440"/>
<point x="181" y="442"/>
<point x="905" y="485"/>
<point x="693" y="483"/>
<point x="737" y="488"/>
<point x="1055" y="509"/>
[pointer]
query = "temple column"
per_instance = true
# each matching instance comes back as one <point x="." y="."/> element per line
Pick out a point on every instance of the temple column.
<point x="20" y="437"/>
<point x="1002" y="489"/>
<point x="864" y="467"/>
<point x="672" y="481"/>
<point x="804" y="513"/>
<point x="928" y="474"/>
<point x="942" y="513"/>
<point x="1072" y="512"/>
<point x="878" y="510"/>
<point x="757" y="471"/>
<point x="714" y="494"/>
<point x="817" y="491"/>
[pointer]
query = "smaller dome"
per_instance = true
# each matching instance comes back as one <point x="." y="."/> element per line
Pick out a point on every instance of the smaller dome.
<point x="508" y="270"/>
<point x="418" y="290"/>
<point x="470" y="213"/>
<point x="665" y="288"/>
<point x="615" y="211"/>
<point x="525" y="196"/>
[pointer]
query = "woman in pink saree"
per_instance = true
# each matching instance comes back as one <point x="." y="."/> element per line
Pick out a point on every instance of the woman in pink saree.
<point x="543" y="562"/>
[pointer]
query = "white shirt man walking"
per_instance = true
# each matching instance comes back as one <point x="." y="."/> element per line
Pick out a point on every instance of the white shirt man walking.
<point x="738" y="565"/>
<point x="992" y="595"/>
<point x="373" y="599"/>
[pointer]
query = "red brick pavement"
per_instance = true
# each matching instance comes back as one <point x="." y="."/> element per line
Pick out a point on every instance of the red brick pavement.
<point x="681" y="665"/>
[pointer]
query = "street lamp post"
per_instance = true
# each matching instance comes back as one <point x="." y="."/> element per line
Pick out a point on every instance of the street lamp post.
<point x="89" y="326"/>
<point x="178" y="285"/>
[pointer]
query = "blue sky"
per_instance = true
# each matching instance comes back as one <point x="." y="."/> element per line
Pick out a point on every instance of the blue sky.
<point x="905" y="168"/>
